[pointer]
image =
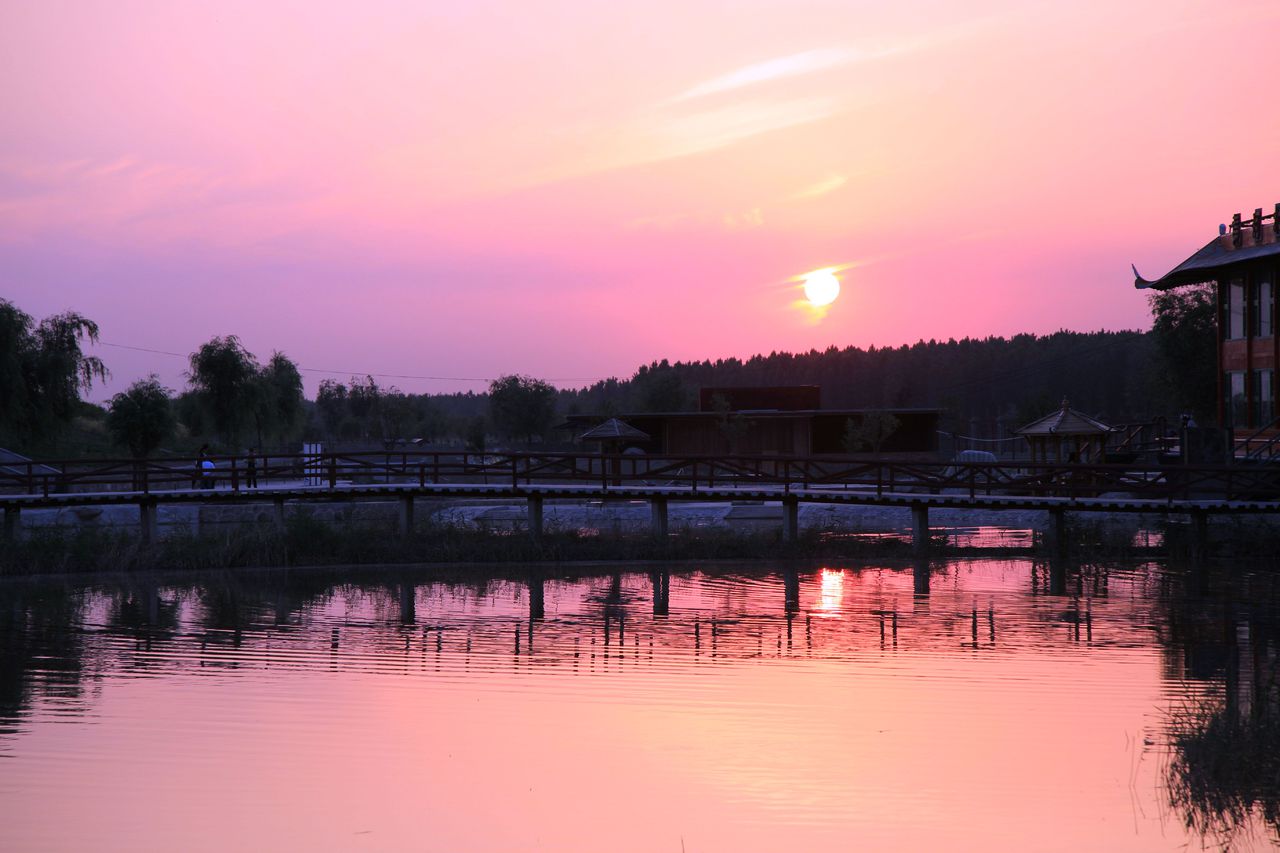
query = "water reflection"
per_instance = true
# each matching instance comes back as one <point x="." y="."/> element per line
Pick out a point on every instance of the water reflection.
<point x="801" y="706"/>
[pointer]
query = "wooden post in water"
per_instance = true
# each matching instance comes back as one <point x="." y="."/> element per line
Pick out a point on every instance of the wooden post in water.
<point x="12" y="523"/>
<point x="790" y="519"/>
<point x="658" y="517"/>
<point x="920" y="527"/>
<point x="535" y="517"/>
<point x="279" y="514"/>
<point x="406" y="517"/>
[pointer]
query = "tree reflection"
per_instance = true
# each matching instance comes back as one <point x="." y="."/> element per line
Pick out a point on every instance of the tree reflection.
<point x="1224" y="774"/>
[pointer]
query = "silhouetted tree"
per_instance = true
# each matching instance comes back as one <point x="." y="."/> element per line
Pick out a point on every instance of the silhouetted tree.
<point x="476" y="434"/>
<point x="224" y="375"/>
<point x="278" y="400"/>
<point x="1185" y="333"/>
<point x="869" y="432"/>
<point x="659" y="388"/>
<point x="43" y="371"/>
<point x="141" y="417"/>
<point x="521" y="407"/>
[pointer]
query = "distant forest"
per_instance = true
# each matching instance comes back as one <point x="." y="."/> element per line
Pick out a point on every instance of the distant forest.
<point x="1114" y="375"/>
<point x="984" y="387"/>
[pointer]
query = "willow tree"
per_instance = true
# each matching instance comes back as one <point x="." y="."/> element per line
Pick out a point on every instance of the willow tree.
<point x="223" y="374"/>
<point x="43" y="372"/>
<point x="141" y="417"/>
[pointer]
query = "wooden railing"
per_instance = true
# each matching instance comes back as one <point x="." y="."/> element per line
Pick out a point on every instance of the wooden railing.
<point x="880" y="475"/>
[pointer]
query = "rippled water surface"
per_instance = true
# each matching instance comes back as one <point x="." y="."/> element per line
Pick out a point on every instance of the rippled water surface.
<point x="972" y="705"/>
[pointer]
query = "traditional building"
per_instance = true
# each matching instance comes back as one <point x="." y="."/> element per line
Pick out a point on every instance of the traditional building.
<point x="770" y="421"/>
<point x="1242" y="263"/>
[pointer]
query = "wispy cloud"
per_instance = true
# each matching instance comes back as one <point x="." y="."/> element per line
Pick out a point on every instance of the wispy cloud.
<point x="829" y="184"/>
<point x="774" y="69"/>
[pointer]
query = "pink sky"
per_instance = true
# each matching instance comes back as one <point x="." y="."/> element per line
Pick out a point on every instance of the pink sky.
<point x="569" y="189"/>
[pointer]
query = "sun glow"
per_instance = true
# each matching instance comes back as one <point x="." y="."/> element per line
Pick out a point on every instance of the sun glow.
<point x="821" y="287"/>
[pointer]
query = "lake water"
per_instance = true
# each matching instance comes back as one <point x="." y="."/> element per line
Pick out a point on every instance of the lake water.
<point x="973" y="705"/>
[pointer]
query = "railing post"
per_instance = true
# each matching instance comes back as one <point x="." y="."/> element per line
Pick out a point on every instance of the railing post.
<point x="235" y="476"/>
<point x="333" y="470"/>
<point x="515" y="482"/>
<point x="422" y="475"/>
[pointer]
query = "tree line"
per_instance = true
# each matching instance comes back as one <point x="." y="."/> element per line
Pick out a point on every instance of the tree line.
<point x="234" y="401"/>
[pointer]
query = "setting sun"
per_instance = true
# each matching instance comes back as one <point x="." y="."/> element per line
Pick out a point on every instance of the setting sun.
<point x="821" y="287"/>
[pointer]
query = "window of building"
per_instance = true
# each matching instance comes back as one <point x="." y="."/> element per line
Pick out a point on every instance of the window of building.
<point x="1263" y="404"/>
<point x="1262" y="307"/>
<point x="1237" y="403"/>
<point x="1234" y="309"/>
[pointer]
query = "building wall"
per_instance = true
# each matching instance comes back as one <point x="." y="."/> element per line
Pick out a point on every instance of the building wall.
<point x="1249" y="348"/>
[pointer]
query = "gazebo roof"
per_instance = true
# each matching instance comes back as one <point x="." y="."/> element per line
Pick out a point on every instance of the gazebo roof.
<point x="1065" y="421"/>
<point x="614" y="430"/>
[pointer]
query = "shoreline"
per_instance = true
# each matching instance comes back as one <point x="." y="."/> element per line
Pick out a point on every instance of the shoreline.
<point x="312" y="544"/>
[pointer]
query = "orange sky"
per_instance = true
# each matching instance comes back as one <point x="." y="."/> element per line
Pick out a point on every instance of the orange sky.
<point x="569" y="189"/>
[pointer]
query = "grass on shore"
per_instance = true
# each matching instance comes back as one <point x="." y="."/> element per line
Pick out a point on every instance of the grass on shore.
<point x="310" y="541"/>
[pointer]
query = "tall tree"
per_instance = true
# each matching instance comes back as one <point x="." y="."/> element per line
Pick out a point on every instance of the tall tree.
<point x="43" y="371"/>
<point x="1185" y="332"/>
<point x="141" y="417"/>
<point x="278" y="400"/>
<point x="521" y="407"/>
<point x="224" y="375"/>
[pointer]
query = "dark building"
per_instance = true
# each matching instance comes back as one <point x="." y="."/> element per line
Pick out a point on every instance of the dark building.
<point x="778" y="421"/>
<point x="1242" y="264"/>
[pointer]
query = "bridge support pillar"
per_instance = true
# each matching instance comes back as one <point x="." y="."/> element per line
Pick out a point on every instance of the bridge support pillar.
<point x="408" y="603"/>
<point x="535" y="517"/>
<point x="1057" y="533"/>
<point x="661" y="581"/>
<point x="658" y="517"/>
<point x="921" y="576"/>
<point x="920" y="527"/>
<point x="406" y="517"/>
<point x="1199" y="534"/>
<point x="147" y="522"/>
<point x="537" y="597"/>
<point x="12" y="523"/>
<point x="790" y="519"/>
<point x="790" y="590"/>
<point x="278" y="514"/>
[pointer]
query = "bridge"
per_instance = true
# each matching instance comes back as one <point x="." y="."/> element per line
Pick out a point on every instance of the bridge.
<point x="1194" y="491"/>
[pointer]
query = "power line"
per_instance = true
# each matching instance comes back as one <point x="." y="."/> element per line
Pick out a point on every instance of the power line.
<point x="363" y="372"/>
